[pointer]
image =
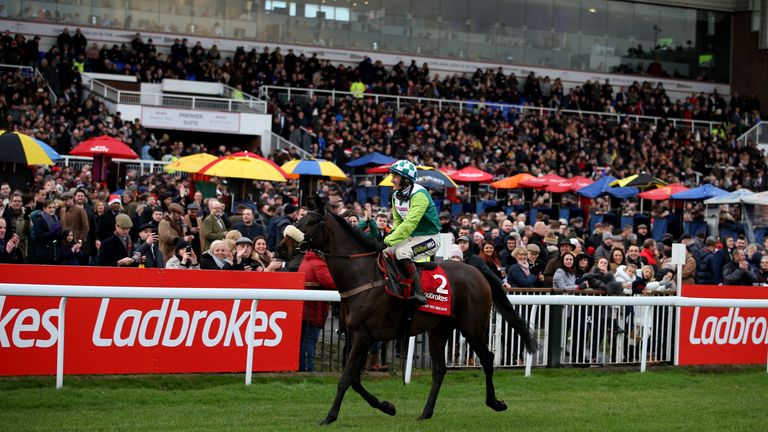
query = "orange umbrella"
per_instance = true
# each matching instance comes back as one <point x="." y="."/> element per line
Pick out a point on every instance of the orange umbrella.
<point x="511" y="182"/>
<point x="663" y="193"/>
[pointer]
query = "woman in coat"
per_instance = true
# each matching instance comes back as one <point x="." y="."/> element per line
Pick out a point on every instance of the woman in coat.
<point x="215" y="258"/>
<point x="519" y="274"/>
<point x="46" y="236"/>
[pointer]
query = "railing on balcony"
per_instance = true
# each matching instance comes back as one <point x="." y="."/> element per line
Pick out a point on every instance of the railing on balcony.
<point x="305" y="95"/>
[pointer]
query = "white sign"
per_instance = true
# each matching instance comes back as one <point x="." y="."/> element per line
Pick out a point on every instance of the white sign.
<point x="678" y="254"/>
<point x="202" y="121"/>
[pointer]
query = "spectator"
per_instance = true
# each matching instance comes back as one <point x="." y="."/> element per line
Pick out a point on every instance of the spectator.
<point x="243" y="256"/>
<point x="149" y="247"/>
<point x="606" y="246"/>
<point x="248" y="227"/>
<point x="600" y="278"/>
<point x="71" y="250"/>
<point x="193" y="222"/>
<point x="215" y="258"/>
<point x="277" y="226"/>
<point x="762" y="272"/>
<point x="9" y="250"/>
<point x="519" y="274"/>
<point x="649" y="252"/>
<point x="170" y="230"/>
<point x="737" y="271"/>
<point x="74" y="218"/>
<point x="705" y="265"/>
<point x="183" y="258"/>
<point x="315" y="314"/>
<point x="564" y="246"/>
<point x="214" y="227"/>
<point x="45" y="235"/>
<point x="488" y="255"/>
<point x="565" y="276"/>
<point x="117" y="250"/>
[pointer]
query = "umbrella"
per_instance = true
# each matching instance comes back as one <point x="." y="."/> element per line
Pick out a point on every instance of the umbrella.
<point x="314" y="167"/>
<point x="104" y="146"/>
<point x="374" y="158"/>
<point x="191" y="163"/>
<point x="427" y="177"/>
<point x="663" y="193"/>
<point x="642" y="180"/>
<point x="381" y="169"/>
<point x="23" y="149"/>
<point x="622" y="192"/>
<point x="736" y="197"/>
<point x="246" y="166"/>
<point x="570" y="185"/>
<point x="702" y="192"/>
<point x="542" y="182"/>
<point x="511" y="182"/>
<point x="53" y="154"/>
<point x="597" y="188"/>
<point x="470" y="174"/>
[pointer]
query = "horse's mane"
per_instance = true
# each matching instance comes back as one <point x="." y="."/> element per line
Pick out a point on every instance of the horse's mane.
<point x="365" y="241"/>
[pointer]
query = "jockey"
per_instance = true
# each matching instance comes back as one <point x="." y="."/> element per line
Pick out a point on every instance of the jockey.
<point x="416" y="227"/>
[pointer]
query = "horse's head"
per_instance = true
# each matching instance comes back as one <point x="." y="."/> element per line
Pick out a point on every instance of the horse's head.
<point x="306" y="234"/>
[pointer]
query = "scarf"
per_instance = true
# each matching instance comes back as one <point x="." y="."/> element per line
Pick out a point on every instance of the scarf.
<point x="525" y="267"/>
<point x="219" y="262"/>
<point x="264" y="258"/>
<point x="50" y="221"/>
<point x="404" y="193"/>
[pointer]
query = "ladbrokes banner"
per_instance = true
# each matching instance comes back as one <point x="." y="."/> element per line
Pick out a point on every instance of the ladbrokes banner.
<point x="723" y="335"/>
<point x="147" y="336"/>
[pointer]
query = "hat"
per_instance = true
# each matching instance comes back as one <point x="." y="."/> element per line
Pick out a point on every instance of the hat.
<point x="478" y="235"/>
<point x="463" y="238"/>
<point x="563" y="221"/>
<point x="67" y="195"/>
<point x="533" y="248"/>
<point x="193" y="206"/>
<point x="175" y="207"/>
<point x="289" y="208"/>
<point x="618" y="238"/>
<point x="564" y="241"/>
<point x="445" y="215"/>
<point x="642" y="226"/>
<point x="455" y="251"/>
<point x="114" y="198"/>
<point x="180" y="244"/>
<point x="148" y="225"/>
<point x="607" y="235"/>
<point x="123" y="221"/>
<point x="575" y="242"/>
<point x="577" y="219"/>
<point x="244" y="240"/>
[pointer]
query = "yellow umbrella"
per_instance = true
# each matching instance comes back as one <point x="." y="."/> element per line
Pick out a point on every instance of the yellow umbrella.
<point x="16" y="147"/>
<point x="314" y="167"/>
<point x="190" y="164"/>
<point x="246" y="166"/>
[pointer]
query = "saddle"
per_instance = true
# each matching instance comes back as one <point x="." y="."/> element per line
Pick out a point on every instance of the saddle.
<point x="396" y="282"/>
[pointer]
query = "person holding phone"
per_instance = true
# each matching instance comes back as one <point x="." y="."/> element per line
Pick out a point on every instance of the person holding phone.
<point x="184" y="257"/>
<point x="149" y="246"/>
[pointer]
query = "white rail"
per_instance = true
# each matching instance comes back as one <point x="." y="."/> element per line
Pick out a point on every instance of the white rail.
<point x="255" y="294"/>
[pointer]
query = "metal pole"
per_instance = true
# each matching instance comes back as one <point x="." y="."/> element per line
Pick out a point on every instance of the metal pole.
<point x="529" y="356"/>
<point x="249" y="344"/>
<point x="409" y="360"/>
<point x="60" y="345"/>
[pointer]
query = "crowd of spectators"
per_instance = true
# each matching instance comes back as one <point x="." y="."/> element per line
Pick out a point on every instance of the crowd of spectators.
<point x="75" y="215"/>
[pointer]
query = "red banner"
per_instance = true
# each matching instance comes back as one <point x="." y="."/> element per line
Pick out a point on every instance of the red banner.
<point x="147" y="335"/>
<point x="723" y="335"/>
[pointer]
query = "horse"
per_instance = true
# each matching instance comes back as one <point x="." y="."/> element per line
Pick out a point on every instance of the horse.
<point x="370" y="314"/>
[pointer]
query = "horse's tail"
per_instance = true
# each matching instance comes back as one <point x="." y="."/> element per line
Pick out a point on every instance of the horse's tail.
<point x="508" y="312"/>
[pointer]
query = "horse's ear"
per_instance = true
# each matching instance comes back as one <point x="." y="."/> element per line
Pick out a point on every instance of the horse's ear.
<point x="315" y="203"/>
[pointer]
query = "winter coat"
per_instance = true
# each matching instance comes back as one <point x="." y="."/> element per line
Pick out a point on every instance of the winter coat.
<point x="705" y="268"/>
<point x="316" y="272"/>
<point x="603" y="281"/>
<point x="170" y="232"/>
<point x="517" y="277"/>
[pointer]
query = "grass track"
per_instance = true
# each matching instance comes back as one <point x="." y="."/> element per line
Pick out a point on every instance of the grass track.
<point x="678" y="399"/>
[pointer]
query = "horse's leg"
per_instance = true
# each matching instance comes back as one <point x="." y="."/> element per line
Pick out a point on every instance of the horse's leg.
<point x="351" y="377"/>
<point x="476" y="337"/>
<point x="438" y="337"/>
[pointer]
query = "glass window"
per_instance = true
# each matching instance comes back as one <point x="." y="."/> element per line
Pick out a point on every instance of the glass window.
<point x="511" y="13"/>
<point x="538" y="14"/>
<point x="565" y="17"/>
<point x="621" y="18"/>
<point x="593" y="17"/>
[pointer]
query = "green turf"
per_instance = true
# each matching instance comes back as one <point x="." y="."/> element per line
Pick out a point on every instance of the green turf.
<point x="664" y="399"/>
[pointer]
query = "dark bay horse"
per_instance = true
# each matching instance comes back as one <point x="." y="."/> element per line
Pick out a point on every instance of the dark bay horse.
<point x="372" y="315"/>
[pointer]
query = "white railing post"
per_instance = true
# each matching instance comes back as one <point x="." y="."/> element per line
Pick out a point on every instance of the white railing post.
<point x="532" y="326"/>
<point x="60" y="345"/>
<point x="646" y="337"/>
<point x="409" y="360"/>
<point x="249" y="344"/>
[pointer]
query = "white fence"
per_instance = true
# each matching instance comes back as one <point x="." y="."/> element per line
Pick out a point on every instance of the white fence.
<point x="65" y="291"/>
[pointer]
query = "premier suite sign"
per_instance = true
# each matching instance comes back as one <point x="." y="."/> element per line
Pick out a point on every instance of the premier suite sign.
<point x="147" y="335"/>
<point x="723" y="335"/>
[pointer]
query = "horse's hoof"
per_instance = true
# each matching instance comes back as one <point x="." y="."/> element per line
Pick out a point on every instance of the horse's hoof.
<point x="328" y="420"/>
<point x="497" y="405"/>
<point x="388" y="408"/>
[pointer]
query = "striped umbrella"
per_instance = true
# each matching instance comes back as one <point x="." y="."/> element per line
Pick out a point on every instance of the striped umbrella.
<point x="19" y="148"/>
<point x="314" y="167"/>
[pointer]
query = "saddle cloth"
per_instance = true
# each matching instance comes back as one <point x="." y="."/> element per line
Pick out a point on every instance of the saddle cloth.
<point x="434" y="283"/>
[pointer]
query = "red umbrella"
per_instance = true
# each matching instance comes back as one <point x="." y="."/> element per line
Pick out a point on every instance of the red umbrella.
<point x="663" y="193"/>
<point x="104" y="146"/>
<point x="381" y="169"/>
<point x="447" y="169"/>
<point x="471" y="174"/>
<point x="511" y="182"/>
<point x="570" y="185"/>
<point x="542" y="182"/>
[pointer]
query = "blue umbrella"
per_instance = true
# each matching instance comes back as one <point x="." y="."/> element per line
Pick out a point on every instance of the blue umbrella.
<point x="48" y="150"/>
<point x="374" y="158"/>
<point x="736" y="197"/>
<point x="702" y="192"/>
<point x="597" y="188"/>
<point x="623" y="192"/>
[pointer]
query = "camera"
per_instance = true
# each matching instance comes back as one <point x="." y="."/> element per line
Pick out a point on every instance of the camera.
<point x="188" y="249"/>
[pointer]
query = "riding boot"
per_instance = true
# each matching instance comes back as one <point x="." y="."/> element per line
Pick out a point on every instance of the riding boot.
<point x="410" y="268"/>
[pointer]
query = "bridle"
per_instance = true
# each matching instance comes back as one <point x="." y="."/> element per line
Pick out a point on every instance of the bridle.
<point x="304" y="245"/>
